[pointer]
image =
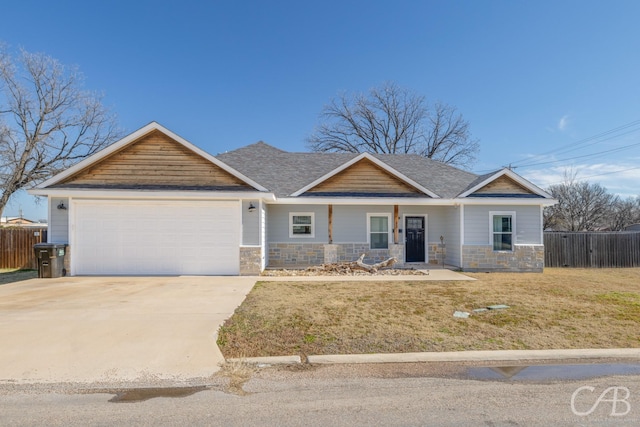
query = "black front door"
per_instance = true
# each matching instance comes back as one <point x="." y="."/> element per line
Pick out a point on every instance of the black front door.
<point x="414" y="229"/>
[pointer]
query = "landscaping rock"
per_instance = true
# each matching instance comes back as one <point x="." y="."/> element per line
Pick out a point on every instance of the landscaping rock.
<point x="343" y="270"/>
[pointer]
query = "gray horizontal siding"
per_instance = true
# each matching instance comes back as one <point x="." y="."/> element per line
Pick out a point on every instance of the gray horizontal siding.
<point x="437" y="221"/>
<point x="527" y="224"/>
<point x="350" y="222"/>
<point x="59" y="221"/>
<point x="452" y="238"/>
<point x="278" y="223"/>
<point x="250" y="224"/>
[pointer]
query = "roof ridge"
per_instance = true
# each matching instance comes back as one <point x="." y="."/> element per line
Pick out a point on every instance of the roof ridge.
<point x="259" y="144"/>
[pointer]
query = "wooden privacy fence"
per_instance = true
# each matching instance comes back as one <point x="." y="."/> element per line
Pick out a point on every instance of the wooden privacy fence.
<point x="592" y="249"/>
<point x="16" y="246"/>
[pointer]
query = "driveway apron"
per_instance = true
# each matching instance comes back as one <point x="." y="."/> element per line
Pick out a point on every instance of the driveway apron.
<point x="88" y="329"/>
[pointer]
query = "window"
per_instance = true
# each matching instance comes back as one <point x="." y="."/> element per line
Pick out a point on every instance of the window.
<point x="378" y="230"/>
<point x="301" y="224"/>
<point x="502" y="230"/>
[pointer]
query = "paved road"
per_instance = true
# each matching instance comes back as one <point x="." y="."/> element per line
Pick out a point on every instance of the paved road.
<point x="402" y="394"/>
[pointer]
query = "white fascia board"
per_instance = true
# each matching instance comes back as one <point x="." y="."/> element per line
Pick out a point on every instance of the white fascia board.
<point x="503" y="201"/>
<point x="499" y="201"/>
<point x="364" y="201"/>
<point x="514" y="176"/>
<point x="378" y="163"/>
<point x="118" y="145"/>
<point x="152" y="194"/>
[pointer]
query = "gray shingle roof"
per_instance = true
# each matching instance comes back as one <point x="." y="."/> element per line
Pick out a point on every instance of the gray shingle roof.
<point x="444" y="180"/>
<point x="283" y="172"/>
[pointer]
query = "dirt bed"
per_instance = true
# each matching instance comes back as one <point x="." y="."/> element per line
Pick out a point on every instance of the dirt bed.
<point x="320" y="271"/>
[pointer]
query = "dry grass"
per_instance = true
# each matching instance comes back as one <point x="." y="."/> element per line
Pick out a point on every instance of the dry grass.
<point x="13" y="275"/>
<point x="561" y="308"/>
<point x="238" y="373"/>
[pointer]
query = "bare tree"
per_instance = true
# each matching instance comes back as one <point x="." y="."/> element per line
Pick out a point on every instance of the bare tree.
<point x="393" y="120"/>
<point x="624" y="213"/>
<point x="47" y="121"/>
<point x="581" y="206"/>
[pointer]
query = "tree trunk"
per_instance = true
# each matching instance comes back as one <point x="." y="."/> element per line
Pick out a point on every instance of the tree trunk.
<point x="374" y="267"/>
<point x="4" y="199"/>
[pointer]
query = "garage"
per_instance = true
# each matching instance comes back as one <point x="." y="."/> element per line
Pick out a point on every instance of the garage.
<point x="155" y="237"/>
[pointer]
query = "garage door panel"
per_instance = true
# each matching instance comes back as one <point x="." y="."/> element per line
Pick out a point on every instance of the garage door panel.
<point x="156" y="237"/>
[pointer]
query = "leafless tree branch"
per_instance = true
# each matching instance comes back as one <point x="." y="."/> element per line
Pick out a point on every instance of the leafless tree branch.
<point x="393" y="120"/>
<point x="47" y="121"/>
<point x="588" y="207"/>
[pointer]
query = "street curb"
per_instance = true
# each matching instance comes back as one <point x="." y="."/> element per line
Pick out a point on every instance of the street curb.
<point x="453" y="356"/>
<point x="475" y="356"/>
<point x="274" y="360"/>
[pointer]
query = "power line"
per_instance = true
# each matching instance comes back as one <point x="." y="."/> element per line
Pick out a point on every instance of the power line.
<point x="596" y="138"/>
<point x="613" y="150"/>
<point x="583" y="143"/>
<point x="588" y="145"/>
<point x="602" y="174"/>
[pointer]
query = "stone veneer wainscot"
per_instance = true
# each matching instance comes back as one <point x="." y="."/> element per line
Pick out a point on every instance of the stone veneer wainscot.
<point x="305" y="254"/>
<point x="524" y="258"/>
<point x="250" y="260"/>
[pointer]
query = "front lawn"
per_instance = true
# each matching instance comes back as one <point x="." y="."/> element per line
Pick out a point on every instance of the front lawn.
<point x="560" y="308"/>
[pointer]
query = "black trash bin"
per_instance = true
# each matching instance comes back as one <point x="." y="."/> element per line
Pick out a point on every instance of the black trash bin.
<point x="50" y="259"/>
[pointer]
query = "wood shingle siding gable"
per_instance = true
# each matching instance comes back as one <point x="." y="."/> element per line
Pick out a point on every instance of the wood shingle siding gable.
<point x="363" y="177"/>
<point x="155" y="160"/>
<point x="503" y="185"/>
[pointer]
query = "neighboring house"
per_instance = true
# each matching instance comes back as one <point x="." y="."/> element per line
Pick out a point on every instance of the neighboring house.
<point x="20" y="222"/>
<point x="153" y="203"/>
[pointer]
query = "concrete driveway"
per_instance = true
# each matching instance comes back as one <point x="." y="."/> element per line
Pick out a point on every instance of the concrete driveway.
<point x="88" y="329"/>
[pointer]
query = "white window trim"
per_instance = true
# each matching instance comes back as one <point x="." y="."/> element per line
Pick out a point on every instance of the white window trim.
<point x="389" y="226"/>
<point x="302" y="236"/>
<point x="513" y="228"/>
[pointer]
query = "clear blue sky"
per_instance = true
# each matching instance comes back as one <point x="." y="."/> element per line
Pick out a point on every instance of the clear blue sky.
<point x="530" y="77"/>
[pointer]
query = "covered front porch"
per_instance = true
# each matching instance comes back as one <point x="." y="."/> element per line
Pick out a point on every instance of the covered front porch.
<point x="304" y="235"/>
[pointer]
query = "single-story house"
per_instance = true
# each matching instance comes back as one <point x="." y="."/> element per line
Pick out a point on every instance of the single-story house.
<point x="18" y="221"/>
<point x="155" y="204"/>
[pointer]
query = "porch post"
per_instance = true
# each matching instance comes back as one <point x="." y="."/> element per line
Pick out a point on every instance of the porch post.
<point x="395" y="224"/>
<point x="330" y="250"/>
<point x="330" y="224"/>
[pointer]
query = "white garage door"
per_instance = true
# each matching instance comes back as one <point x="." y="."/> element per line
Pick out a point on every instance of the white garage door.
<point x="127" y="237"/>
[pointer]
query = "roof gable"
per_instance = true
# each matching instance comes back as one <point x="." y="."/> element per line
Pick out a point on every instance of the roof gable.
<point x="364" y="175"/>
<point x="152" y="157"/>
<point x="154" y="160"/>
<point x="504" y="183"/>
<point x="444" y="180"/>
